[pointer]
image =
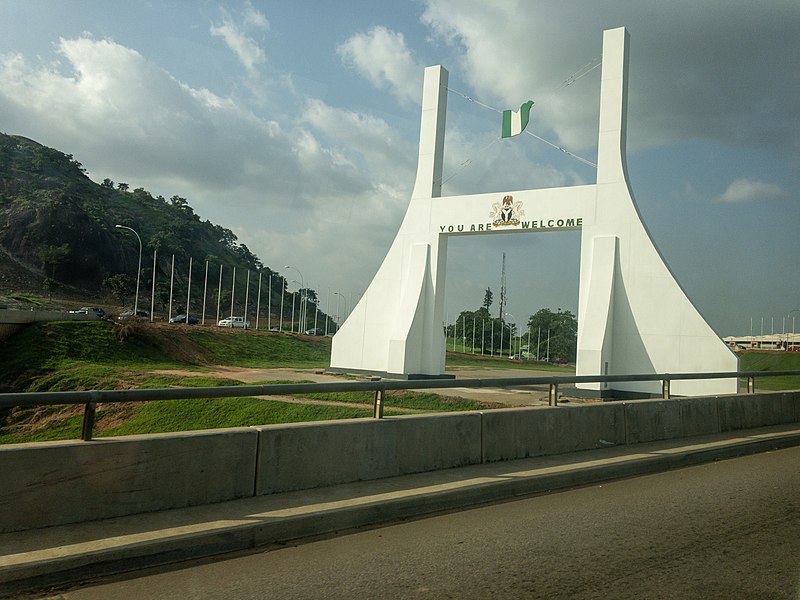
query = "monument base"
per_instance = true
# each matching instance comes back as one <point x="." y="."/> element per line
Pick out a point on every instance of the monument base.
<point x="610" y="395"/>
<point x="385" y="375"/>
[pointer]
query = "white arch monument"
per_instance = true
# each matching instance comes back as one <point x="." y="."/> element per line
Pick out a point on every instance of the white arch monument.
<point x="633" y="317"/>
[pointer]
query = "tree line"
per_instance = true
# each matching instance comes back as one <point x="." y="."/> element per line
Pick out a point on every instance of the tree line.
<point x="548" y="335"/>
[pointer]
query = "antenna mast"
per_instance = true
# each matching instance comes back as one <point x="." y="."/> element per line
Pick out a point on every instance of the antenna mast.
<point x="503" y="289"/>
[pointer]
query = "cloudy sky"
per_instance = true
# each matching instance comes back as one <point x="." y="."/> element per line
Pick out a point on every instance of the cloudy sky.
<point x="295" y="125"/>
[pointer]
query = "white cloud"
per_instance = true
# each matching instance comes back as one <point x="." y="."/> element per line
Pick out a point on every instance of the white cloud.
<point x="326" y="178"/>
<point x="383" y="58"/>
<point x="694" y="72"/>
<point x="508" y="53"/>
<point x="384" y="154"/>
<point x="114" y="99"/>
<point x="749" y="190"/>
<point x="244" y="47"/>
<point x="254" y="18"/>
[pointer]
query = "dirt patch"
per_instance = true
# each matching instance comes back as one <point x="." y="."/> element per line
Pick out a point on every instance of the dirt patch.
<point x="29" y="421"/>
<point x="253" y="375"/>
<point x="114" y="414"/>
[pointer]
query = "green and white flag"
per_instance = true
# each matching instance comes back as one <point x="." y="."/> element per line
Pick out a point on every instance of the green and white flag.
<point x="515" y="121"/>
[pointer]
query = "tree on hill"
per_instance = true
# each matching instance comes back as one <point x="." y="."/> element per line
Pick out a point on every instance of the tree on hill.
<point x="52" y="256"/>
<point x="121" y="286"/>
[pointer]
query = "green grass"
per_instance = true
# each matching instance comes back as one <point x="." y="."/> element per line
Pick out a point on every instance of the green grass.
<point x="489" y="362"/>
<point x="68" y="428"/>
<point x="177" y="415"/>
<point x="64" y="355"/>
<point x="772" y="361"/>
<point x="29" y="299"/>
<point x="93" y="341"/>
<point x="268" y="350"/>
<point x="423" y="401"/>
<point x="190" y="415"/>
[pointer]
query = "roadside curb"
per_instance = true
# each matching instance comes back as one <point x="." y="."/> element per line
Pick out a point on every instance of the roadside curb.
<point x="61" y="555"/>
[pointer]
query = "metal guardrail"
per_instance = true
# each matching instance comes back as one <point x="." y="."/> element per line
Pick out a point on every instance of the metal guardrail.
<point x="91" y="398"/>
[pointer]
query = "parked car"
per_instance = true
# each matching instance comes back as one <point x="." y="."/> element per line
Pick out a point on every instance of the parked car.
<point x="128" y="314"/>
<point x="315" y="331"/>
<point x="191" y="320"/>
<point x="234" y="322"/>
<point x="88" y="310"/>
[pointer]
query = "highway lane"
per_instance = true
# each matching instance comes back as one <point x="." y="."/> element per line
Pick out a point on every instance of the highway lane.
<point x="729" y="529"/>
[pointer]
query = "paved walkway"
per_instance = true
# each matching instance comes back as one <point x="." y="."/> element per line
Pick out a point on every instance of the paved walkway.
<point x="528" y="396"/>
<point x="55" y="555"/>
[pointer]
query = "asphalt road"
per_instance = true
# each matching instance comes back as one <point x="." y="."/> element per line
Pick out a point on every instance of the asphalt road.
<point x="729" y="529"/>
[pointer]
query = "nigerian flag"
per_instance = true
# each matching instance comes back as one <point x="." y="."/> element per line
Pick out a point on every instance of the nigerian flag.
<point x="515" y="121"/>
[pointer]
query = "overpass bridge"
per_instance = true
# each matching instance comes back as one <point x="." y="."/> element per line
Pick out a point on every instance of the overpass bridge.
<point x="12" y="321"/>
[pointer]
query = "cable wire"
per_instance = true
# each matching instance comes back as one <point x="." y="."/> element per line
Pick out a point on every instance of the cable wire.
<point x="572" y="79"/>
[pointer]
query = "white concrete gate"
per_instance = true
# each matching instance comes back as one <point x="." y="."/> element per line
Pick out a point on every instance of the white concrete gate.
<point x="633" y="317"/>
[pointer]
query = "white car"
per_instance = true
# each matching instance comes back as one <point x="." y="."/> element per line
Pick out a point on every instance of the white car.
<point x="234" y="322"/>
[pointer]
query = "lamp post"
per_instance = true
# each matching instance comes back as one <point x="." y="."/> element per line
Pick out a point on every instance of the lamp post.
<point x="303" y="285"/>
<point x="138" y="270"/>
<point x="337" y="310"/>
<point x="294" y="295"/>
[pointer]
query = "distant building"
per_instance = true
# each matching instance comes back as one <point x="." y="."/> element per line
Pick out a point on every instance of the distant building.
<point x="776" y="341"/>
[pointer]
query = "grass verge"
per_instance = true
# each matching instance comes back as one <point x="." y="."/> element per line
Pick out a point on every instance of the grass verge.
<point x="772" y="361"/>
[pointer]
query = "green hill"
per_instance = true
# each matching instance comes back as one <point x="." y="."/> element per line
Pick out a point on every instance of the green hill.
<point x="58" y="238"/>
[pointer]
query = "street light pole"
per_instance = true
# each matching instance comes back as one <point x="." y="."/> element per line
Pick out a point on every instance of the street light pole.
<point x="300" y="325"/>
<point x="796" y="310"/>
<point x="337" y="309"/>
<point x="294" y="295"/>
<point x="138" y="270"/>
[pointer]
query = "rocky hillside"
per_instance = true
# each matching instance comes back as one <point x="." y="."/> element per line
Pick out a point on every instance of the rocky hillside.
<point x="57" y="229"/>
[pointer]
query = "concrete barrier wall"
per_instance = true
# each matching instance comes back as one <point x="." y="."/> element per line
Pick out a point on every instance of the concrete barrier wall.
<point x="29" y="316"/>
<point x="305" y="455"/>
<point x="53" y="483"/>
<point x="523" y="432"/>
<point x="652" y="420"/>
<point x="758" y="410"/>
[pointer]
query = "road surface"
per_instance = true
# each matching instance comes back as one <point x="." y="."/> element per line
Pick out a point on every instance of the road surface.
<point x="726" y="530"/>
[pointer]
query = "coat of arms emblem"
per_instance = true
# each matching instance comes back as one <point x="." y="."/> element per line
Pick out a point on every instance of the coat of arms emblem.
<point x="506" y="212"/>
